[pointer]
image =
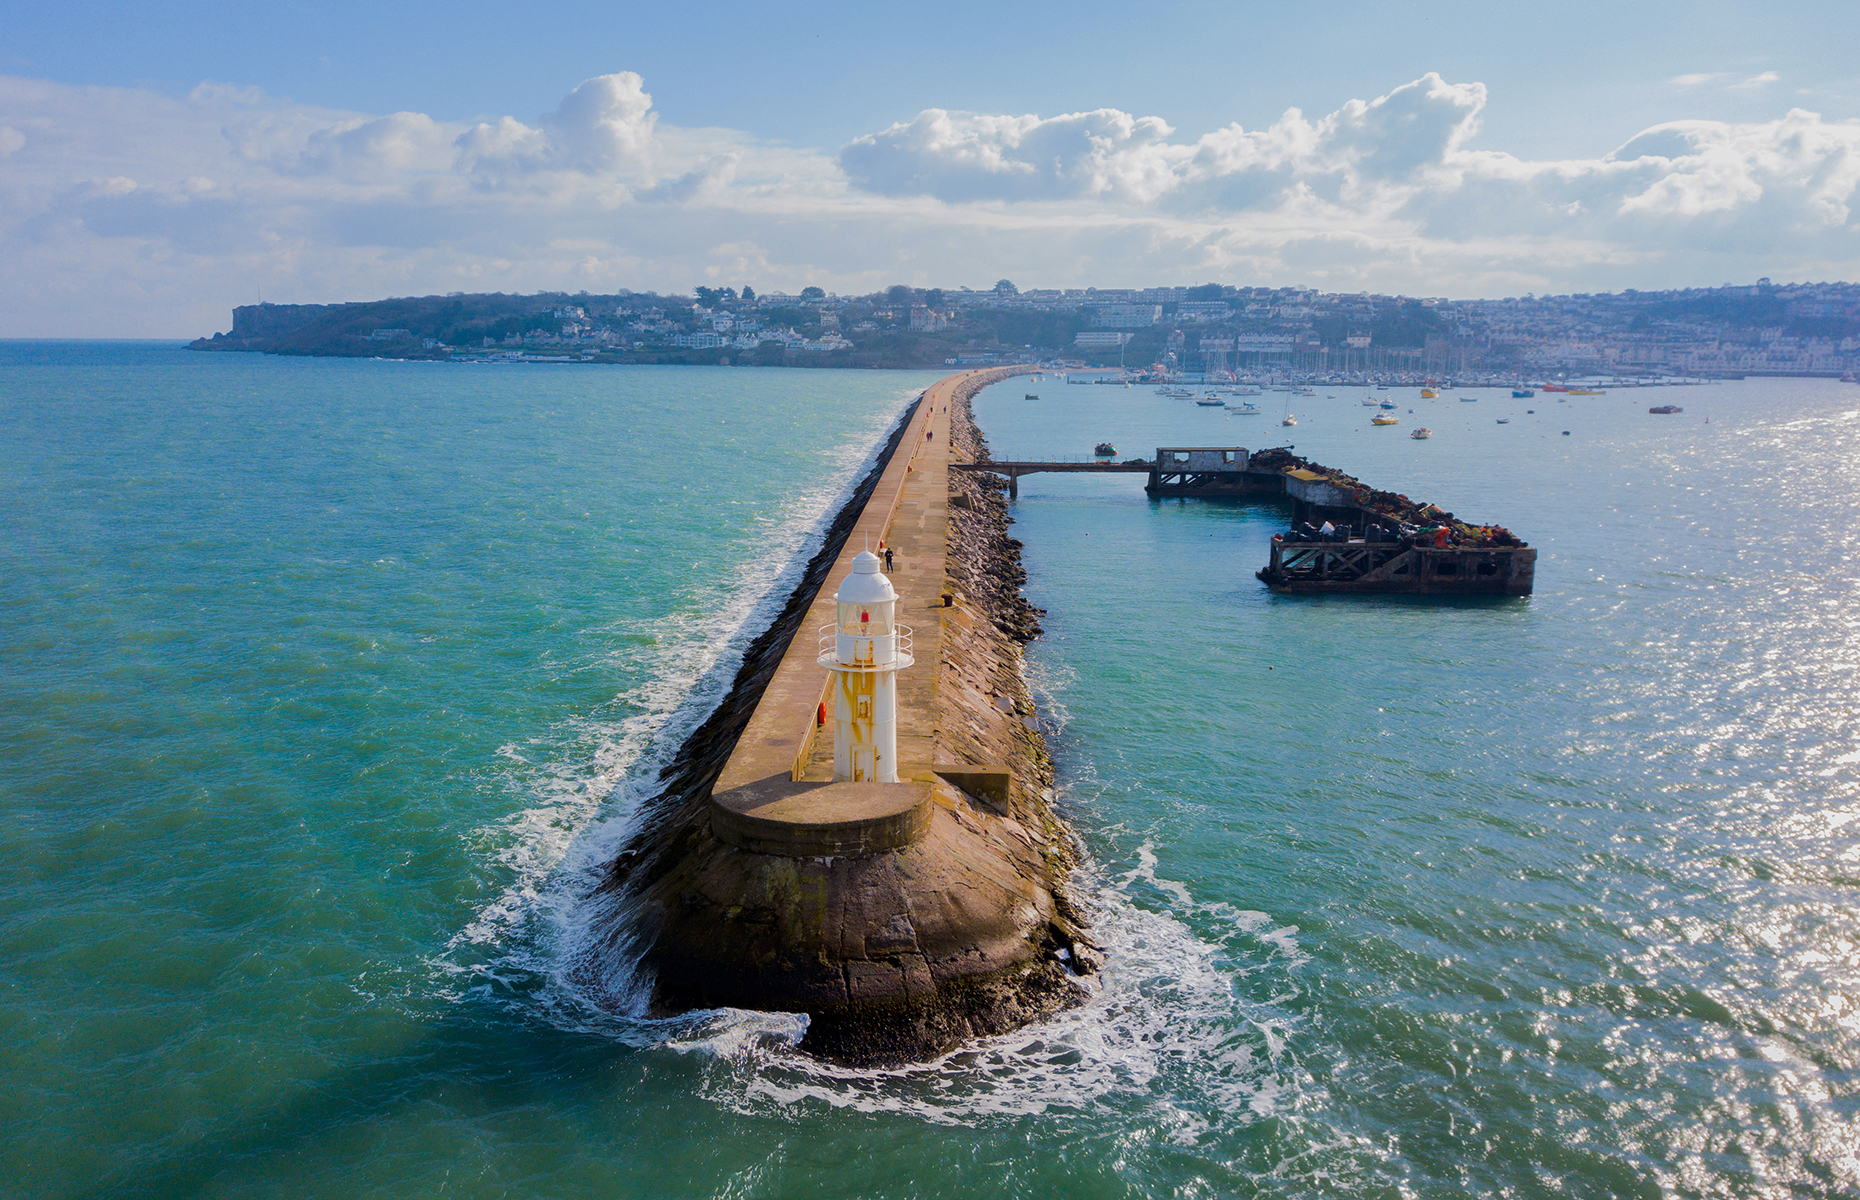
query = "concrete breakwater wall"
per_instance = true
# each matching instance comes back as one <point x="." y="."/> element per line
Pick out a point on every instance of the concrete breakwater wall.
<point x="903" y="918"/>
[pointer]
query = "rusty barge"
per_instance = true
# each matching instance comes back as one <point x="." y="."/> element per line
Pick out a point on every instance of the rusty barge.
<point x="1346" y="537"/>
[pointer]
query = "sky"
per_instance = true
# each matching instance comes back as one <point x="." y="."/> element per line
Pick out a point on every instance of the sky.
<point x="159" y="165"/>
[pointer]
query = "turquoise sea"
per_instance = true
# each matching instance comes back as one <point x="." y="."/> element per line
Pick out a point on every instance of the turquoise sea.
<point x="329" y="685"/>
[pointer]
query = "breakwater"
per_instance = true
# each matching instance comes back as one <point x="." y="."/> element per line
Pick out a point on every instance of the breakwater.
<point x="903" y="918"/>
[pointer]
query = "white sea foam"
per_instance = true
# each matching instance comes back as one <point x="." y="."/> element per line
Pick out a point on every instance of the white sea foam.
<point x="1162" y="1028"/>
<point x="1161" y="1031"/>
<point x="587" y="778"/>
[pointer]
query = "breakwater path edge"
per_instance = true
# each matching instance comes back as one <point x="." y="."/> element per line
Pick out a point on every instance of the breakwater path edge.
<point x="904" y="918"/>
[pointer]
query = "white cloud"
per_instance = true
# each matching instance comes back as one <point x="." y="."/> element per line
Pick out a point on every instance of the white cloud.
<point x="1112" y="155"/>
<point x="1697" y="79"/>
<point x="1402" y="158"/>
<point x="1762" y="80"/>
<point x="966" y="156"/>
<point x="604" y="125"/>
<point x="211" y="93"/>
<point x="369" y="146"/>
<point x="127" y="212"/>
<point x="710" y="180"/>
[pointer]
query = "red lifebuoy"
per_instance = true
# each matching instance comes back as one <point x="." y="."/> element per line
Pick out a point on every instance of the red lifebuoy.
<point x="820" y="718"/>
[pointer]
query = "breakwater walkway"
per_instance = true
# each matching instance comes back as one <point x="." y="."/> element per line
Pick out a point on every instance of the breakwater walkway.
<point x="775" y="793"/>
<point x="903" y="918"/>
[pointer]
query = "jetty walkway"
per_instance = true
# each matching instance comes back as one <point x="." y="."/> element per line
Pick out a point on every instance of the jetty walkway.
<point x="1376" y="550"/>
<point x="775" y="794"/>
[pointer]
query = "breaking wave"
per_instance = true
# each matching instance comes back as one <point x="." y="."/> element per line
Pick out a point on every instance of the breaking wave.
<point x="587" y="779"/>
<point x="1164" y="1031"/>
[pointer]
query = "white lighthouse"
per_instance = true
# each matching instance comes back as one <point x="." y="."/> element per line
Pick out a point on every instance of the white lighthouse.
<point x="865" y="648"/>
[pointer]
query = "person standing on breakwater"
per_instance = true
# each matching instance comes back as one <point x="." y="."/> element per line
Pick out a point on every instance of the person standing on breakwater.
<point x="887" y="560"/>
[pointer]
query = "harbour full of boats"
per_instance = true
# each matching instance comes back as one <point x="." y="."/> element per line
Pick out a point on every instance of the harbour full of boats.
<point x="1214" y="396"/>
<point x="1189" y="386"/>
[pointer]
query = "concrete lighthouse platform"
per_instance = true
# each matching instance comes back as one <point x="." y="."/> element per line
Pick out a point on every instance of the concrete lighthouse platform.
<point x="905" y="917"/>
<point x="812" y="819"/>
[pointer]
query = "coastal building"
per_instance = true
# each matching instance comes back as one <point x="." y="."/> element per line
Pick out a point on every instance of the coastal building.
<point x="1126" y="316"/>
<point x="1202" y="311"/>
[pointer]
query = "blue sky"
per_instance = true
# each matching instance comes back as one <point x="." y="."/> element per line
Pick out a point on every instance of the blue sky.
<point x="158" y="166"/>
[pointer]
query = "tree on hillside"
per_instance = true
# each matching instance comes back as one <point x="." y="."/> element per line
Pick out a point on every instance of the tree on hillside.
<point x="934" y="297"/>
<point x="1205" y="292"/>
<point x="749" y="293"/>
<point x="1405" y="325"/>
<point x="813" y="293"/>
<point x="1006" y="287"/>
<point x="898" y="294"/>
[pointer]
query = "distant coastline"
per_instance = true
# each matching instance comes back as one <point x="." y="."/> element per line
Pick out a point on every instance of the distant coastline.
<point x="1213" y="330"/>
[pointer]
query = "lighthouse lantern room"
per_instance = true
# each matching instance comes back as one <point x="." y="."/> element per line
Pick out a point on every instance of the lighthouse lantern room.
<point x="865" y="648"/>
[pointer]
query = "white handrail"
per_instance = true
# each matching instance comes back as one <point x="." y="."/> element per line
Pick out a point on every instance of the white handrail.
<point x="866" y="651"/>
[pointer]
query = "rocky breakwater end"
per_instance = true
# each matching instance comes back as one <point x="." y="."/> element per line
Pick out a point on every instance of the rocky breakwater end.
<point x="905" y="918"/>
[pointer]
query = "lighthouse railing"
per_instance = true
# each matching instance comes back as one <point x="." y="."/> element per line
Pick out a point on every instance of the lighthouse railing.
<point x="866" y="651"/>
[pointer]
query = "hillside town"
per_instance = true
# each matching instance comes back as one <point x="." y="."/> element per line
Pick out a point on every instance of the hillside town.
<point x="1211" y="330"/>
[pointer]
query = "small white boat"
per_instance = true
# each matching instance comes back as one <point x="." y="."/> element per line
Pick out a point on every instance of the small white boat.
<point x="1289" y="420"/>
<point x="1209" y="402"/>
<point x="1422" y="434"/>
<point x="1244" y="409"/>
